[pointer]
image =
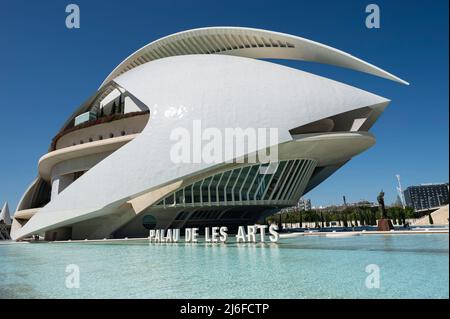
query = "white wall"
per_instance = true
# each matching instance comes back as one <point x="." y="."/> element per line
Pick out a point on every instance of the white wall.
<point x="59" y="183"/>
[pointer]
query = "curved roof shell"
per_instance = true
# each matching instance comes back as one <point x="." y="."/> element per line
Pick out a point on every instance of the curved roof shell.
<point x="245" y="42"/>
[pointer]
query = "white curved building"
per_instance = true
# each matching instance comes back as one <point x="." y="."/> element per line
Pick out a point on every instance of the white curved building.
<point x="109" y="172"/>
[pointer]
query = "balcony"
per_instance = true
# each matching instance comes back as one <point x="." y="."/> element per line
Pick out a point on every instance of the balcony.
<point x="105" y="127"/>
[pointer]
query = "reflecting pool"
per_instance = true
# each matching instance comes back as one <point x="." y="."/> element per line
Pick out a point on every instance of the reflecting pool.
<point x="409" y="266"/>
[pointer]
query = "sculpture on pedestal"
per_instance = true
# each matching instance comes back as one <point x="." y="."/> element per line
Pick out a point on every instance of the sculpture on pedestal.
<point x="382" y="209"/>
<point x="384" y="224"/>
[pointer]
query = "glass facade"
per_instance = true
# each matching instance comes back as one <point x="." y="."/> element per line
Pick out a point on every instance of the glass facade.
<point x="247" y="185"/>
<point x="426" y="196"/>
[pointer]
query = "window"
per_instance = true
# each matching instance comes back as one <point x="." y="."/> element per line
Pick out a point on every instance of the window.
<point x="222" y="184"/>
<point x="179" y="198"/>
<point x="205" y="191"/>
<point x="188" y="195"/>
<point x="77" y="175"/>
<point x="196" y="192"/>
<point x="213" y="187"/>
<point x="245" y="188"/>
<point x="244" y="184"/>
<point x="170" y="200"/>
<point x="240" y="182"/>
<point x="231" y="182"/>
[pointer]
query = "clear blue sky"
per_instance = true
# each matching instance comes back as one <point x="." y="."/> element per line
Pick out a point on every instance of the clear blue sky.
<point x="48" y="70"/>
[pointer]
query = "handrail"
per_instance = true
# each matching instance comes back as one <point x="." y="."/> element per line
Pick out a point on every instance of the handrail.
<point x="102" y="120"/>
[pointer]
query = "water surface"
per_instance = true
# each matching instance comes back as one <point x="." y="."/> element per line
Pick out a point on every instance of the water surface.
<point x="411" y="266"/>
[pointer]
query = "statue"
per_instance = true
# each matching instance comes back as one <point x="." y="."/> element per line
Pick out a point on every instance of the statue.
<point x="380" y="200"/>
<point x="384" y="224"/>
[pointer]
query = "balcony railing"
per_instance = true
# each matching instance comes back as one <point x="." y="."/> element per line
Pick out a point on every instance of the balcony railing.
<point x="101" y="120"/>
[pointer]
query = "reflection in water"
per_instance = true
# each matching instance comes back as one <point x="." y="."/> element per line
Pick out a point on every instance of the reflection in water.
<point x="412" y="266"/>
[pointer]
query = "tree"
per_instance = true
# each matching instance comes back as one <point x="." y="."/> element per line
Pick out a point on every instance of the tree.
<point x="355" y="219"/>
<point x="371" y="217"/>
<point x="345" y="220"/>
<point x="430" y="219"/>
<point x="409" y="213"/>
<point x="301" y="219"/>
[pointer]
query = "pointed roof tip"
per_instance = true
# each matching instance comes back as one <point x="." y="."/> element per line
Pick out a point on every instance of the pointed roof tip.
<point x="399" y="80"/>
<point x="4" y="214"/>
